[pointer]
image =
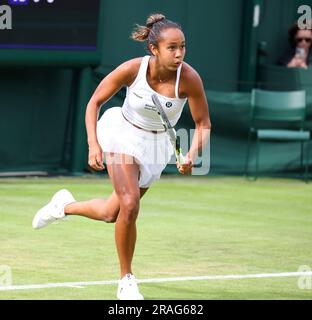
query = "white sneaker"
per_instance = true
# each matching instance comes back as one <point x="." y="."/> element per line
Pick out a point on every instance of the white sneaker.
<point x="54" y="210"/>
<point x="128" y="288"/>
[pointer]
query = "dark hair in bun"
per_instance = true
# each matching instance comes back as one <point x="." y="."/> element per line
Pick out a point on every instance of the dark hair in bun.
<point x="151" y="32"/>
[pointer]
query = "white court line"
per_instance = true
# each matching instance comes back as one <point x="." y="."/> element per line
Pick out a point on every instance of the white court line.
<point x="96" y="283"/>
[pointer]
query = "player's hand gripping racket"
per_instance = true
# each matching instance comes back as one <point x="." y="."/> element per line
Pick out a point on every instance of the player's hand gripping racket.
<point x="174" y="139"/>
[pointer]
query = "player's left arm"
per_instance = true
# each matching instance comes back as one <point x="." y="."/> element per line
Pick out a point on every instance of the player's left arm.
<point x="199" y="110"/>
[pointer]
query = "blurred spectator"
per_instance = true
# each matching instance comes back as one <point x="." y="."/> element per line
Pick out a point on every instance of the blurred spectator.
<point x="299" y="55"/>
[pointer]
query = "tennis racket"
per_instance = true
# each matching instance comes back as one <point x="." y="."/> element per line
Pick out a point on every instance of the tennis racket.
<point x="174" y="139"/>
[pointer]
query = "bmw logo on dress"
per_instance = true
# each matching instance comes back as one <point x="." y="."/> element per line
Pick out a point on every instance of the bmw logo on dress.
<point x="168" y="104"/>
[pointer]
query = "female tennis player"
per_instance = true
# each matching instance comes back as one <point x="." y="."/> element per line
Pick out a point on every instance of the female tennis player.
<point x="132" y="139"/>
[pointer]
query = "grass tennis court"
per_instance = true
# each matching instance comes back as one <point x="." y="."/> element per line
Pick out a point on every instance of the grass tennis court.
<point x="187" y="227"/>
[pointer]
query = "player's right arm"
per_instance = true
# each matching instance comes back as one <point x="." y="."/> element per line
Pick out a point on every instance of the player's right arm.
<point x="123" y="75"/>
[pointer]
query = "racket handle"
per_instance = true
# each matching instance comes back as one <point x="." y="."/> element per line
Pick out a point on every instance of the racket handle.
<point x="179" y="156"/>
<point x="181" y="159"/>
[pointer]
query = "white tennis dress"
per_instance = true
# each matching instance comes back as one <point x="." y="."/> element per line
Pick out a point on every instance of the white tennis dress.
<point x="117" y="131"/>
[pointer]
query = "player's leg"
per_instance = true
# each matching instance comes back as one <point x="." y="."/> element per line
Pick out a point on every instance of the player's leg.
<point x="98" y="209"/>
<point x="134" y="236"/>
<point x="63" y="203"/>
<point x="124" y="175"/>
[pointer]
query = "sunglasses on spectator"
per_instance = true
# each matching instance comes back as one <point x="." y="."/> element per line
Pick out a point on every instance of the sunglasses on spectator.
<point x="308" y="40"/>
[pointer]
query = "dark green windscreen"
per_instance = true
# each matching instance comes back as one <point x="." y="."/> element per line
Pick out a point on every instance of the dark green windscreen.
<point x="42" y="109"/>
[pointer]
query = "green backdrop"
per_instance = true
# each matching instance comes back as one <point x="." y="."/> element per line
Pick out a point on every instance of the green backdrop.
<point x="35" y="118"/>
<point x="42" y="108"/>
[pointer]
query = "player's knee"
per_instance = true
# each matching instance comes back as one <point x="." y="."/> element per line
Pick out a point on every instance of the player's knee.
<point x="130" y="209"/>
<point x="111" y="218"/>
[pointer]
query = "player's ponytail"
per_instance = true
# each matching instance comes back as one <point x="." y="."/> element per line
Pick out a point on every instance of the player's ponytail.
<point x="141" y="33"/>
<point x="154" y="18"/>
<point x="151" y="32"/>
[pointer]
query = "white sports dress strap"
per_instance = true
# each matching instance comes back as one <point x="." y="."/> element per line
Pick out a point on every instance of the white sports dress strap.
<point x="143" y="67"/>
<point x="177" y="81"/>
<point x="142" y="71"/>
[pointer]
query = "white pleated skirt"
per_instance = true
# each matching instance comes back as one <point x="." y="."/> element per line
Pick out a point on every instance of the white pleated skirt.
<point x="152" y="151"/>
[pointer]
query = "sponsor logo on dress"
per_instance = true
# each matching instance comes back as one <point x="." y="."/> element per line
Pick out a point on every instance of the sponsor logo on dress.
<point x="168" y="104"/>
<point x="150" y="107"/>
<point x="137" y="95"/>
